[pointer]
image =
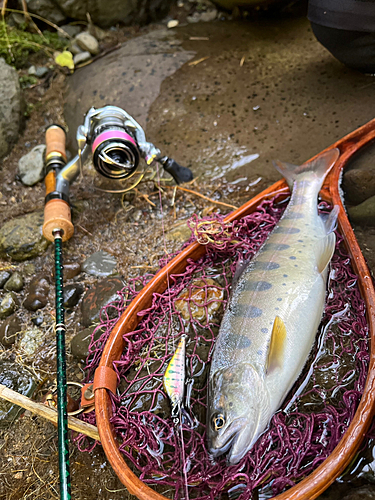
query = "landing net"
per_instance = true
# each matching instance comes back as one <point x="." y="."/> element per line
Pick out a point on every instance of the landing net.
<point x="301" y="435"/>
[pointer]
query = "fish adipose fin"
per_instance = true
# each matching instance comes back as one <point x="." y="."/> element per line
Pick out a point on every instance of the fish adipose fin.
<point x="277" y="345"/>
<point x="324" y="250"/>
<point x="330" y="220"/>
<point x="320" y="167"/>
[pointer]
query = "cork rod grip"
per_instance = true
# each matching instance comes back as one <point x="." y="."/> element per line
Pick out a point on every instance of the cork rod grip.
<point x="55" y="141"/>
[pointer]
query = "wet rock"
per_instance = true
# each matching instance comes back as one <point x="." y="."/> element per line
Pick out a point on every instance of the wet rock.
<point x="37" y="294"/>
<point x="79" y="345"/>
<point x="4" y="276"/>
<point x="31" y="341"/>
<point x="47" y="9"/>
<point x="151" y="57"/>
<point x="9" y="329"/>
<point x="29" y="269"/>
<point x="31" y="166"/>
<point x="201" y="300"/>
<point x="38" y="320"/>
<point x="14" y="283"/>
<point x="81" y="58"/>
<point x="71" y="30"/>
<point x="358" y="185"/>
<point x="106" y="14"/>
<point x="8" y="305"/>
<point x="71" y="270"/>
<point x="363" y="214"/>
<point x="99" y="264"/>
<point x="365" y="493"/>
<point x="87" y="43"/>
<point x="11" y="105"/>
<point x="72" y="294"/>
<point x="17" y="378"/>
<point x="98" y="296"/>
<point x="22" y="238"/>
<point x="180" y="233"/>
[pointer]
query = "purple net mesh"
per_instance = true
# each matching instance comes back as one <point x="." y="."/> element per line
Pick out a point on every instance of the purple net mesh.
<point x="302" y="433"/>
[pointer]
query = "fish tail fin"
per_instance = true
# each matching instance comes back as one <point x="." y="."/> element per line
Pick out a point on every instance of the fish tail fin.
<point x="318" y="167"/>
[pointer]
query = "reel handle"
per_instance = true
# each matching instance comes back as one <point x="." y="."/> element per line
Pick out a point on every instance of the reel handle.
<point x="56" y="210"/>
<point x="180" y="174"/>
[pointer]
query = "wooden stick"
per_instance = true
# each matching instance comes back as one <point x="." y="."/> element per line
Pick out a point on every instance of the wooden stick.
<point x="47" y="412"/>
<point x="202" y="196"/>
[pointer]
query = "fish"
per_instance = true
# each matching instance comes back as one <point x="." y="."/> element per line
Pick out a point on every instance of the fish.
<point x="174" y="379"/>
<point x="272" y="316"/>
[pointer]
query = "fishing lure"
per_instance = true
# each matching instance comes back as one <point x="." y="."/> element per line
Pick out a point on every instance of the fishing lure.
<point x="174" y="380"/>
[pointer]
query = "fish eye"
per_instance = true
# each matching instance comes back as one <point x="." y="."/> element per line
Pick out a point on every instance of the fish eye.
<point x="218" y="421"/>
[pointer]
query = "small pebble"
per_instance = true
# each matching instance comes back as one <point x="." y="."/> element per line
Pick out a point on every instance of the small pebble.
<point x="8" y="305"/>
<point x="173" y="23"/>
<point x="72" y="294"/>
<point x="87" y="42"/>
<point x="37" y="294"/>
<point x="37" y="320"/>
<point x="41" y="71"/>
<point x="81" y="58"/>
<point x="9" y="329"/>
<point x="99" y="264"/>
<point x="4" y="276"/>
<point x="71" y="270"/>
<point x="14" y="283"/>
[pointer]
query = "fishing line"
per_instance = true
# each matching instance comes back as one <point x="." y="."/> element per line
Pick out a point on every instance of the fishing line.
<point x="183" y="456"/>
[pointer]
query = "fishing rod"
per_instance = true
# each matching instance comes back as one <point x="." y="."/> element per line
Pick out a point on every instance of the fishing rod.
<point x="117" y="143"/>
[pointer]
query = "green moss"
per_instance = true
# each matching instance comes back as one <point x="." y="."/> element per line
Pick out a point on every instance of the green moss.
<point x="17" y="44"/>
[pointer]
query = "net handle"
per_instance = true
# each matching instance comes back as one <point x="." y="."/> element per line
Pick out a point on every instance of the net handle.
<point x="312" y="486"/>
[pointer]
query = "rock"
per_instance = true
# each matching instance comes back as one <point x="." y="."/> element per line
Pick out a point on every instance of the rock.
<point x="106" y="15"/>
<point x="38" y="320"/>
<point x="17" y="378"/>
<point x="31" y="166"/>
<point x="99" y="264"/>
<point x="9" y="329"/>
<point x="47" y="9"/>
<point x="129" y="78"/>
<point x="28" y="269"/>
<point x="358" y="185"/>
<point x="71" y="270"/>
<point x="71" y="30"/>
<point x="98" y="296"/>
<point x="81" y="58"/>
<point x="4" y="276"/>
<point x="8" y="305"/>
<point x="22" y="238"/>
<point x="204" y="17"/>
<point x="11" y="107"/>
<point x="363" y="214"/>
<point x="80" y="343"/>
<point x="37" y="294"/>
<point x="41" y="71"/>
<point x="14" y="283"/>
<point x="173" y="23"/>
<point x="87" y="42"/>
<point x="74" y="49"/>
<point x="72" y="293"/>
<point x="32" y="70"/>
<point x="364" y="493"/>
<point x="31" y="341"/>
<point x="201" y="300"/>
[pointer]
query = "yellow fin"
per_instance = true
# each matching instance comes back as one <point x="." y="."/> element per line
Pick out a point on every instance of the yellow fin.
<point x="324" y="251"/>
<point x="277" y="345"/>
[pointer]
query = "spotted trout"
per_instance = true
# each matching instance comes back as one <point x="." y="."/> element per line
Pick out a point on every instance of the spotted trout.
<point x="270" y="324"/>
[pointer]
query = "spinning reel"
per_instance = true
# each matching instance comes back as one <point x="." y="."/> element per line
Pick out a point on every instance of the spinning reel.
<point x="117" y="143"/>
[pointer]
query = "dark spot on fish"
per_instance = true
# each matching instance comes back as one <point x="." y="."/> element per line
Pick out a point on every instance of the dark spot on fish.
<point x="285" y="275"/>
<point x="264" y="330"/>
<point x="286" y="230"/>
<point x="294" y="215"/>
<point x="276" y="246"/>
<point x="260" y="352"/>
<point x="300" y="241"/>
<point x="295" y="265"/>
<point x="279" y="299"/>
<point x="266" y="266"/>
<point x="277" y="308"/>
<point x="299" y="251"/>
<point x="239" y="342"/>
<point x="292" y="257"/>
<point x="258" y="286"/>
<point x="284" y="284"/>
<point x="230" y="404"/>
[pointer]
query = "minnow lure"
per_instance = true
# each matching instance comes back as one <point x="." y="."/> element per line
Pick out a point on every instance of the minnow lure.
<point x="174" y="379"/>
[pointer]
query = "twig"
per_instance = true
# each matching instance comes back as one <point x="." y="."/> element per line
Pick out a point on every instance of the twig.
<point x="203" y="196"/>
<point x="242" y="61"/>
<point x="47" y="412"/>
<point x="194" y="63"/>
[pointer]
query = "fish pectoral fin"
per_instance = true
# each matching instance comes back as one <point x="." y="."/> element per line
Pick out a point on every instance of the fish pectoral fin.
<point x="324" y="251"/>
<point x="277" y="345"/>
<point x="330" y="220"/>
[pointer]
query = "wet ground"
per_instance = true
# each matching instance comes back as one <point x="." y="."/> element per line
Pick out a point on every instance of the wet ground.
<point x="225" y="99"/>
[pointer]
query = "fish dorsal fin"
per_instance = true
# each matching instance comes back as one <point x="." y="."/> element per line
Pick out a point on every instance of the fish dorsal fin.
<point x="330" y="220"/>
<point x="324" y="250"/>
<point x="277" y="345"/>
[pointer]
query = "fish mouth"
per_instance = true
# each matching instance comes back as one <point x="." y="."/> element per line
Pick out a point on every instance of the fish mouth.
<point x="223" y="441"/>
<point x="242" y="444"/>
